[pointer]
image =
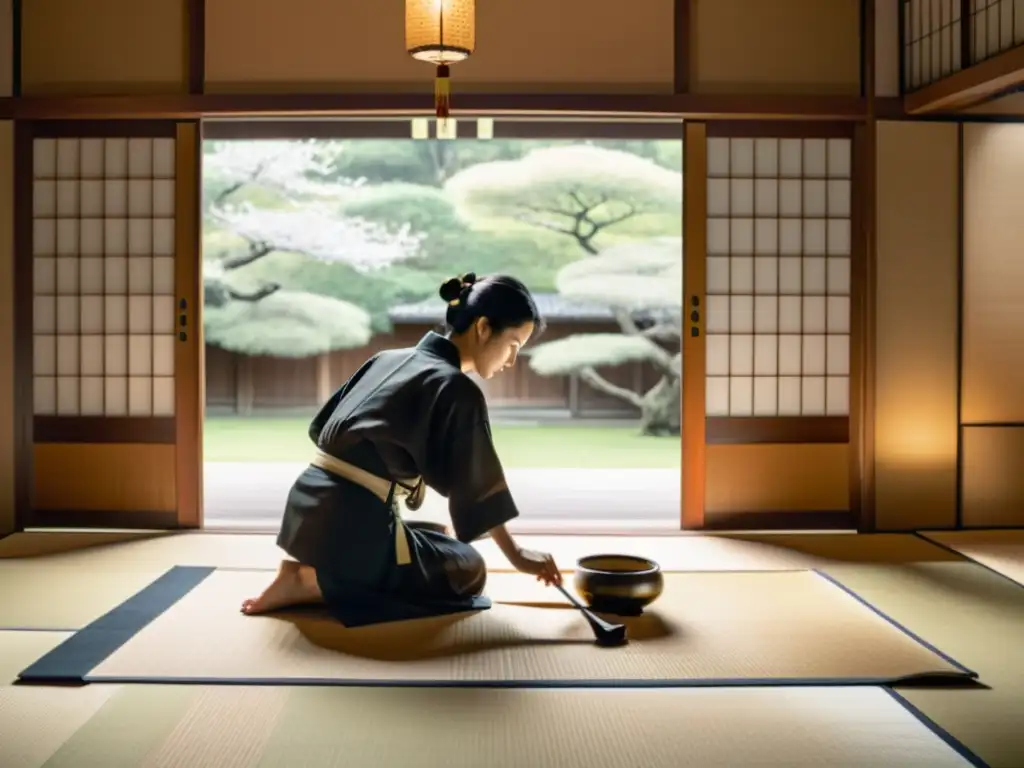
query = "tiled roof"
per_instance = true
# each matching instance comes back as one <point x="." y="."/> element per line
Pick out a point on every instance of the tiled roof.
<point x="553" y="308"/>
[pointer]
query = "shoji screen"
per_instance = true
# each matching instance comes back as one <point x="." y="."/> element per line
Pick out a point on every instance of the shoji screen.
<point x="103" y="245"/>
<point x="778" y="277"/>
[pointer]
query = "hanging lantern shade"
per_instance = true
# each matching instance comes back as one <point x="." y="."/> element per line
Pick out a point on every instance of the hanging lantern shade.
<point x="440" y="32"/>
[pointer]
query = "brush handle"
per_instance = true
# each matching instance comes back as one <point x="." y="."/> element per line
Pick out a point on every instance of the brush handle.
<point x="597" y="623"/>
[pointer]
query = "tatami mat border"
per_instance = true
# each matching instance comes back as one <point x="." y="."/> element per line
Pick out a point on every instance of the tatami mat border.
<point x="76" y="657"/>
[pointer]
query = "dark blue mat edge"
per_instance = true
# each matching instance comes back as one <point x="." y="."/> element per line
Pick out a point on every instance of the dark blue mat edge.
<point x="966" y="558"/>
<point x="950" y="740"/>
<point x="79" y="654"/>
<point x="319" y="682"/>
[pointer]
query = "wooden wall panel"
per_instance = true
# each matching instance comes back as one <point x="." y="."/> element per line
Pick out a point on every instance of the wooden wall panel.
<point x="104" y="477"/>
<point x="6" y="48"/>
<point x="777" y="47"/>
<point x="887" y="47"/>
<point x="777" y="478"/>
<point x="916" y="366"/>
<point x="993" y="300"/>
<point x="993" y="483"/>
<point x="103" y="47"/>
<point x="528" y="45"/>
<point x="7" y="447"/>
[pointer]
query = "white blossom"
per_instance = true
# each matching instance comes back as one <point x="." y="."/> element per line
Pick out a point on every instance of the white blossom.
<point x="320" y="233"/>
<point x="284" y="166"/>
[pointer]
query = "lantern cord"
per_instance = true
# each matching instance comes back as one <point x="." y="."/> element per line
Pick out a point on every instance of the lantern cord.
<point x="442" y="92"/>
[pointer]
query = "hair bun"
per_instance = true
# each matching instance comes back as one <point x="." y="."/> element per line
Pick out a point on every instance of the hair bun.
<point x="451" y="289"/>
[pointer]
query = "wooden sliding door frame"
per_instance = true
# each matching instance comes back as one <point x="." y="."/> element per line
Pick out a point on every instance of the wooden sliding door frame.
<point x="184" y="429"/>
<point x="694" y="416"/>
<point x="189" y="358"/>
<point x="854" y="429"/>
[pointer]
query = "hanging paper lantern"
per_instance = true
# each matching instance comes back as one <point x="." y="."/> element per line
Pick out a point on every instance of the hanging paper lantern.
<point x="440" y="32"/>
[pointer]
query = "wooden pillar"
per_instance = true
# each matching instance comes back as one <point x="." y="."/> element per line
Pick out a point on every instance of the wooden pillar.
<point x="245" y="389"/>
<point x="694" y="423"/>
<point x="862" y="295"/>
<point x="323" y="378"/>
<point x="574" y="395"/>
<point x="8" y="417"/>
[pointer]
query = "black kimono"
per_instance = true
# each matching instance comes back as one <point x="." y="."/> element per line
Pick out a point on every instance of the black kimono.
<point x="405" y="413"/>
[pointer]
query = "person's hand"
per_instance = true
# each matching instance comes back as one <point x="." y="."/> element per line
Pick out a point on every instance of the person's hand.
<point x="539" y="564"/>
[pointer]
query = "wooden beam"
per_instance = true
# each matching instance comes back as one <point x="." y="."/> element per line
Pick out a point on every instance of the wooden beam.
<point x="969" y="86"/>
<point x="776" y="430"/>
<point x="195" y="45"/>
<point x="781" y="520"/>
<point x="136" y="520"/>
<point x="682" y="20"/>
<point x="617" y="129"/>
<point x="102" y="429"/>
<point x="889" y="108"/>
<point x="16" y="47"/>
<point x="192" y="106"/>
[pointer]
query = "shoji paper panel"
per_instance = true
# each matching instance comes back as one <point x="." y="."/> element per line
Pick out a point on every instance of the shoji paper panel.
<point x="103" y="257"/>
<point x="778" y="277"/>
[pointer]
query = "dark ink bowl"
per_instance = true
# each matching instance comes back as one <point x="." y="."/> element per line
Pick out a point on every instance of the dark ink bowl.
<point x="622" y="585"/>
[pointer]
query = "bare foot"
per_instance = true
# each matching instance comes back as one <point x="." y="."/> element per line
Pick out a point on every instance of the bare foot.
<point x="295" y="584"/>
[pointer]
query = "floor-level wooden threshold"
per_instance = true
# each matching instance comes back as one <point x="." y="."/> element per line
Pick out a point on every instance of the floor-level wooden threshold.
<point x="584" y="528"/>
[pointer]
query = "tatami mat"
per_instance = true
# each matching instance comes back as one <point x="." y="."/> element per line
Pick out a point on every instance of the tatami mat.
<point x="977" y="617"/>
<point x="55" y="542"/>
<point x="42" y="594"/>
<point x="969" y="612"/>
<point x="732" y="628"/>
<point x="127" y="550"/>
<point x="683" y="552"/>
<point x="66" y="580"/>
<point x="1001" y="551"/>
<point x="262" y="727"/>
<point x="35" y="722"/>
<point x="19" y="649"/>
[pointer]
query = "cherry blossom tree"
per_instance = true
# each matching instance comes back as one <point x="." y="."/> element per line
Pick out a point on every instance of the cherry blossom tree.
<point x="294" y="168"/>
<point x="313" y="229"/>
<point x="291" y="207"/>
